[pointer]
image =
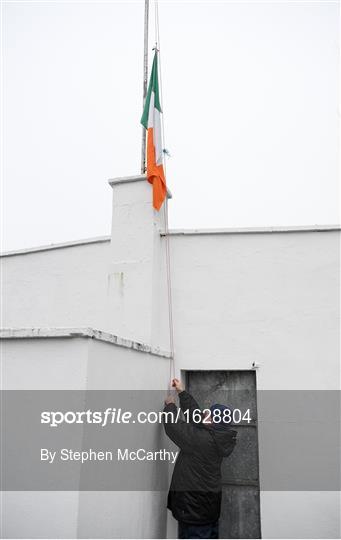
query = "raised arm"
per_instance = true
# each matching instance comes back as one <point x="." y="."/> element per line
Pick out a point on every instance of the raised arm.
<point x="180" y="432"/>
<point x="187" y="402"/>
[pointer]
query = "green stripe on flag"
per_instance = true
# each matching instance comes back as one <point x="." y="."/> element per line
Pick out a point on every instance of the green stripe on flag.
<point x="152" y="87"/>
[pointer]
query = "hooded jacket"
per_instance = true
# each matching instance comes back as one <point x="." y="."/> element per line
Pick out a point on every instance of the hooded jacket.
<point x="195" y="492"/>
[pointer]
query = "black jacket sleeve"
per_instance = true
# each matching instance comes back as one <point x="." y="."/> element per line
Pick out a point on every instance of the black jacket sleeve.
<point x="190" y="405"/>
<point x="180" y="432"/>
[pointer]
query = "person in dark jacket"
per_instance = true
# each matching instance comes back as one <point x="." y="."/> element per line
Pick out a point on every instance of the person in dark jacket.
<point x="194" y="496"/>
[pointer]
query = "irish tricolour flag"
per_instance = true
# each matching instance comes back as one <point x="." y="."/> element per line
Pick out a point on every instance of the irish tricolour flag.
<point x="152" y="122"/>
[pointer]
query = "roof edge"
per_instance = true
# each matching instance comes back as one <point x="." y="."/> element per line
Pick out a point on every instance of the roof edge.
<point x="57" y="332"/>
<point x="253" y="230"/>
<point x="181" y="232"/>
<point x="49" y="247"/>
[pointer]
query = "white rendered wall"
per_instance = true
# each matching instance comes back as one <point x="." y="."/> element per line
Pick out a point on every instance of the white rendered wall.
<point x="237" y="299"/>
<point x="58" y="287"/>
<point x="270" y="298"/>
<point x="80" y="364"/>
<point x="123" y="514"/>
<point x="42" y="365"/>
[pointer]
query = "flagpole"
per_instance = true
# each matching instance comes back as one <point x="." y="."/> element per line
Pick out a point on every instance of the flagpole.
<point x="145" y="82"/>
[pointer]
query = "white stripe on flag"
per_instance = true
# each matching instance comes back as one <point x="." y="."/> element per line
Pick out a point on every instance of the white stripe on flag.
<point x="157" y="137"/>
<point x="151" y="111"/>
<point x="154" y="121"/>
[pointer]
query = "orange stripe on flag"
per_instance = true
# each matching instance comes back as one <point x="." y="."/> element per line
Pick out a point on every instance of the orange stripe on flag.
<point x="155" y="173"/>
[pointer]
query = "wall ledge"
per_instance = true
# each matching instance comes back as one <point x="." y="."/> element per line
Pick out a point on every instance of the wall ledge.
<point x="253" y="230"/>
<point x="181" y="232"/>
<point x="49" y="247"/>
<point x="128" y="179"/>
<point x="56" y="332"/>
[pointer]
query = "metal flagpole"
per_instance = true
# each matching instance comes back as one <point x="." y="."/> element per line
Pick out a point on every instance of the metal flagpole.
<point x="145" y="82"/>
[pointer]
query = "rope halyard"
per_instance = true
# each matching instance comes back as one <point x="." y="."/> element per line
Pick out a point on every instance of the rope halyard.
<point x="165" y="210"/>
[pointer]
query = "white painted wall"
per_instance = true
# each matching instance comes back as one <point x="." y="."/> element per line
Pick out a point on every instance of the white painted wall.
<point x="123" y="514"/>
<point x="81" y="364"/>
<point x="58" y="287"/>
<point x="238" y="298"/>
<point x="266" y="298"/>
<point x="272" y="299"/>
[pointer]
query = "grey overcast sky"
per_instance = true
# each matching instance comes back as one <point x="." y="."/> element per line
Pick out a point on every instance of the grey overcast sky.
<point x="250" y="99"/>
